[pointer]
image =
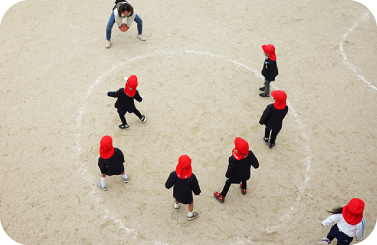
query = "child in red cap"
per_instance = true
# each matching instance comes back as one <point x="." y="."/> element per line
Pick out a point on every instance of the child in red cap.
<point x="349" y="220"/>
<point x="270" y="69"/>
<point x="239" y="168"/>
<point x="125" y="102"/>
<point x="273" y="116"/>
<point x="185" y="183"/>
<point x="110" y="161"/>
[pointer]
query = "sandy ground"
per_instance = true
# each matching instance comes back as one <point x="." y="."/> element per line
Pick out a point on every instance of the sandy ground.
<point x="199" y="73"/>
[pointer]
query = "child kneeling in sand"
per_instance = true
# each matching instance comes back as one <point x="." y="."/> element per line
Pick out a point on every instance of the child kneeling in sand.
<point x="185" y="183"/>
<point x="110" y="161"/>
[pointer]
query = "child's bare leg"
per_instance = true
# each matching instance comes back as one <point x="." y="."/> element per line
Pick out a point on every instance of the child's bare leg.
<point x="103" y="180"/>
<point x="191" y="207"/>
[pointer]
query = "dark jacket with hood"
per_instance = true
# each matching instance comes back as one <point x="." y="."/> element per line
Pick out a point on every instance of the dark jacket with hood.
<point x="270" y="69"/>
<point x="124" y="102"/>
<point x="113" y="165"/>
<point x="273" y="118"/>
<point x="239" y="170"/>
<point x="183" y="188"/>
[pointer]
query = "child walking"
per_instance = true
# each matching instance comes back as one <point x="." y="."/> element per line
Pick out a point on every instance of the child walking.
<point x="110" y="161"/>
<point x="239" y="168"/>
<point x="350" y="223"/>
<point x="270" y="69"/>
<point x="273" y="116"/>
<point x="184" y="182"/>
<point x="125" y="102"/>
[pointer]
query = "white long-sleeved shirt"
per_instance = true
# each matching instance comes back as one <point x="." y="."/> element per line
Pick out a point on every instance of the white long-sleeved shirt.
<point x="118" y="19"/>
<point x="350" y="230"/>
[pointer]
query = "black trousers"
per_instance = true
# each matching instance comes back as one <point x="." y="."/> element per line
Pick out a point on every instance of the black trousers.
<point x="227" y="186"/>
<point x="123" y="119"/>
<point x="273" y="135"/>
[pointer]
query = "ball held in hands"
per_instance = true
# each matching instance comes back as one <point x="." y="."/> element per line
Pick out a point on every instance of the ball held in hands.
<point x="124" y="27"/>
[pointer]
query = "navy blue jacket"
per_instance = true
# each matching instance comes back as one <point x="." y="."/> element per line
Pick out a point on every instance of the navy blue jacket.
<point x="183" y="188"/>
<point x="271" y="71"/>
<point x="239" y="170"/>
<point x="113" y="165"/>
<point x="125" y="103"/>
<point x="273" y="118"/>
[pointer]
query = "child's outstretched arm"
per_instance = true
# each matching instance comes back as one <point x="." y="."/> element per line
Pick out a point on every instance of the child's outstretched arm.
<point x="331" y="219"/>
<point x="115" y="94"/>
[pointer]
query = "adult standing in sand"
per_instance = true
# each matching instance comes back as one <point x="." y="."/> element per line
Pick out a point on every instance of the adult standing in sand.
<point x="122" y="10"/>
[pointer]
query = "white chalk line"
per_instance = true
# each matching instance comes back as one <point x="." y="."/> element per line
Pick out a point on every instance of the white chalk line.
<point x="349" y="64"/>
<point x="84" y="171"/>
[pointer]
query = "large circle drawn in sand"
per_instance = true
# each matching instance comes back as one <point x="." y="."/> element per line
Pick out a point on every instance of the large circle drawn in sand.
<point x="210" y="102"/>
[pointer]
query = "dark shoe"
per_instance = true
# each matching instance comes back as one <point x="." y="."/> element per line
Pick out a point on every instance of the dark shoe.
<point x="264" y="95"/>
<point x="262" y="88"/>
<point x="218" y="196"/>
<point x="124" y="126"/>
<point x="271" y="145"/>
<point x="243" y="191"/>
<point x="265" y="140"/>
<point x="143" y="118"/>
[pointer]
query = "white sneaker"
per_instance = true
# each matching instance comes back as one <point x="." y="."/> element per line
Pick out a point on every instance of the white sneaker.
<point x="108" y="44"/>
<point x="325" y="240"/>
<point x="100" y="186"/>
<point x="125" y="180"/>
<point x="194" y="216"/>
<point x="141" y="37"/>
<point x="176" y="206"/>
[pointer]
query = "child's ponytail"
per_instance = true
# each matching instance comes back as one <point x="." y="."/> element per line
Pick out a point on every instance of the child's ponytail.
<point x="337" y="210"/>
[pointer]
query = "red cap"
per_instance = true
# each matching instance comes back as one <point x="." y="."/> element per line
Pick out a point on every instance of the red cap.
<point x="242" y="149"/>
<point x="270" y="50"/>
<point x="106" y="149"/>
<point x="183" y="169"/>
<point x="353" y="212"/>
<point x="280" y="99"/>
<point x="131" y="84"/>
